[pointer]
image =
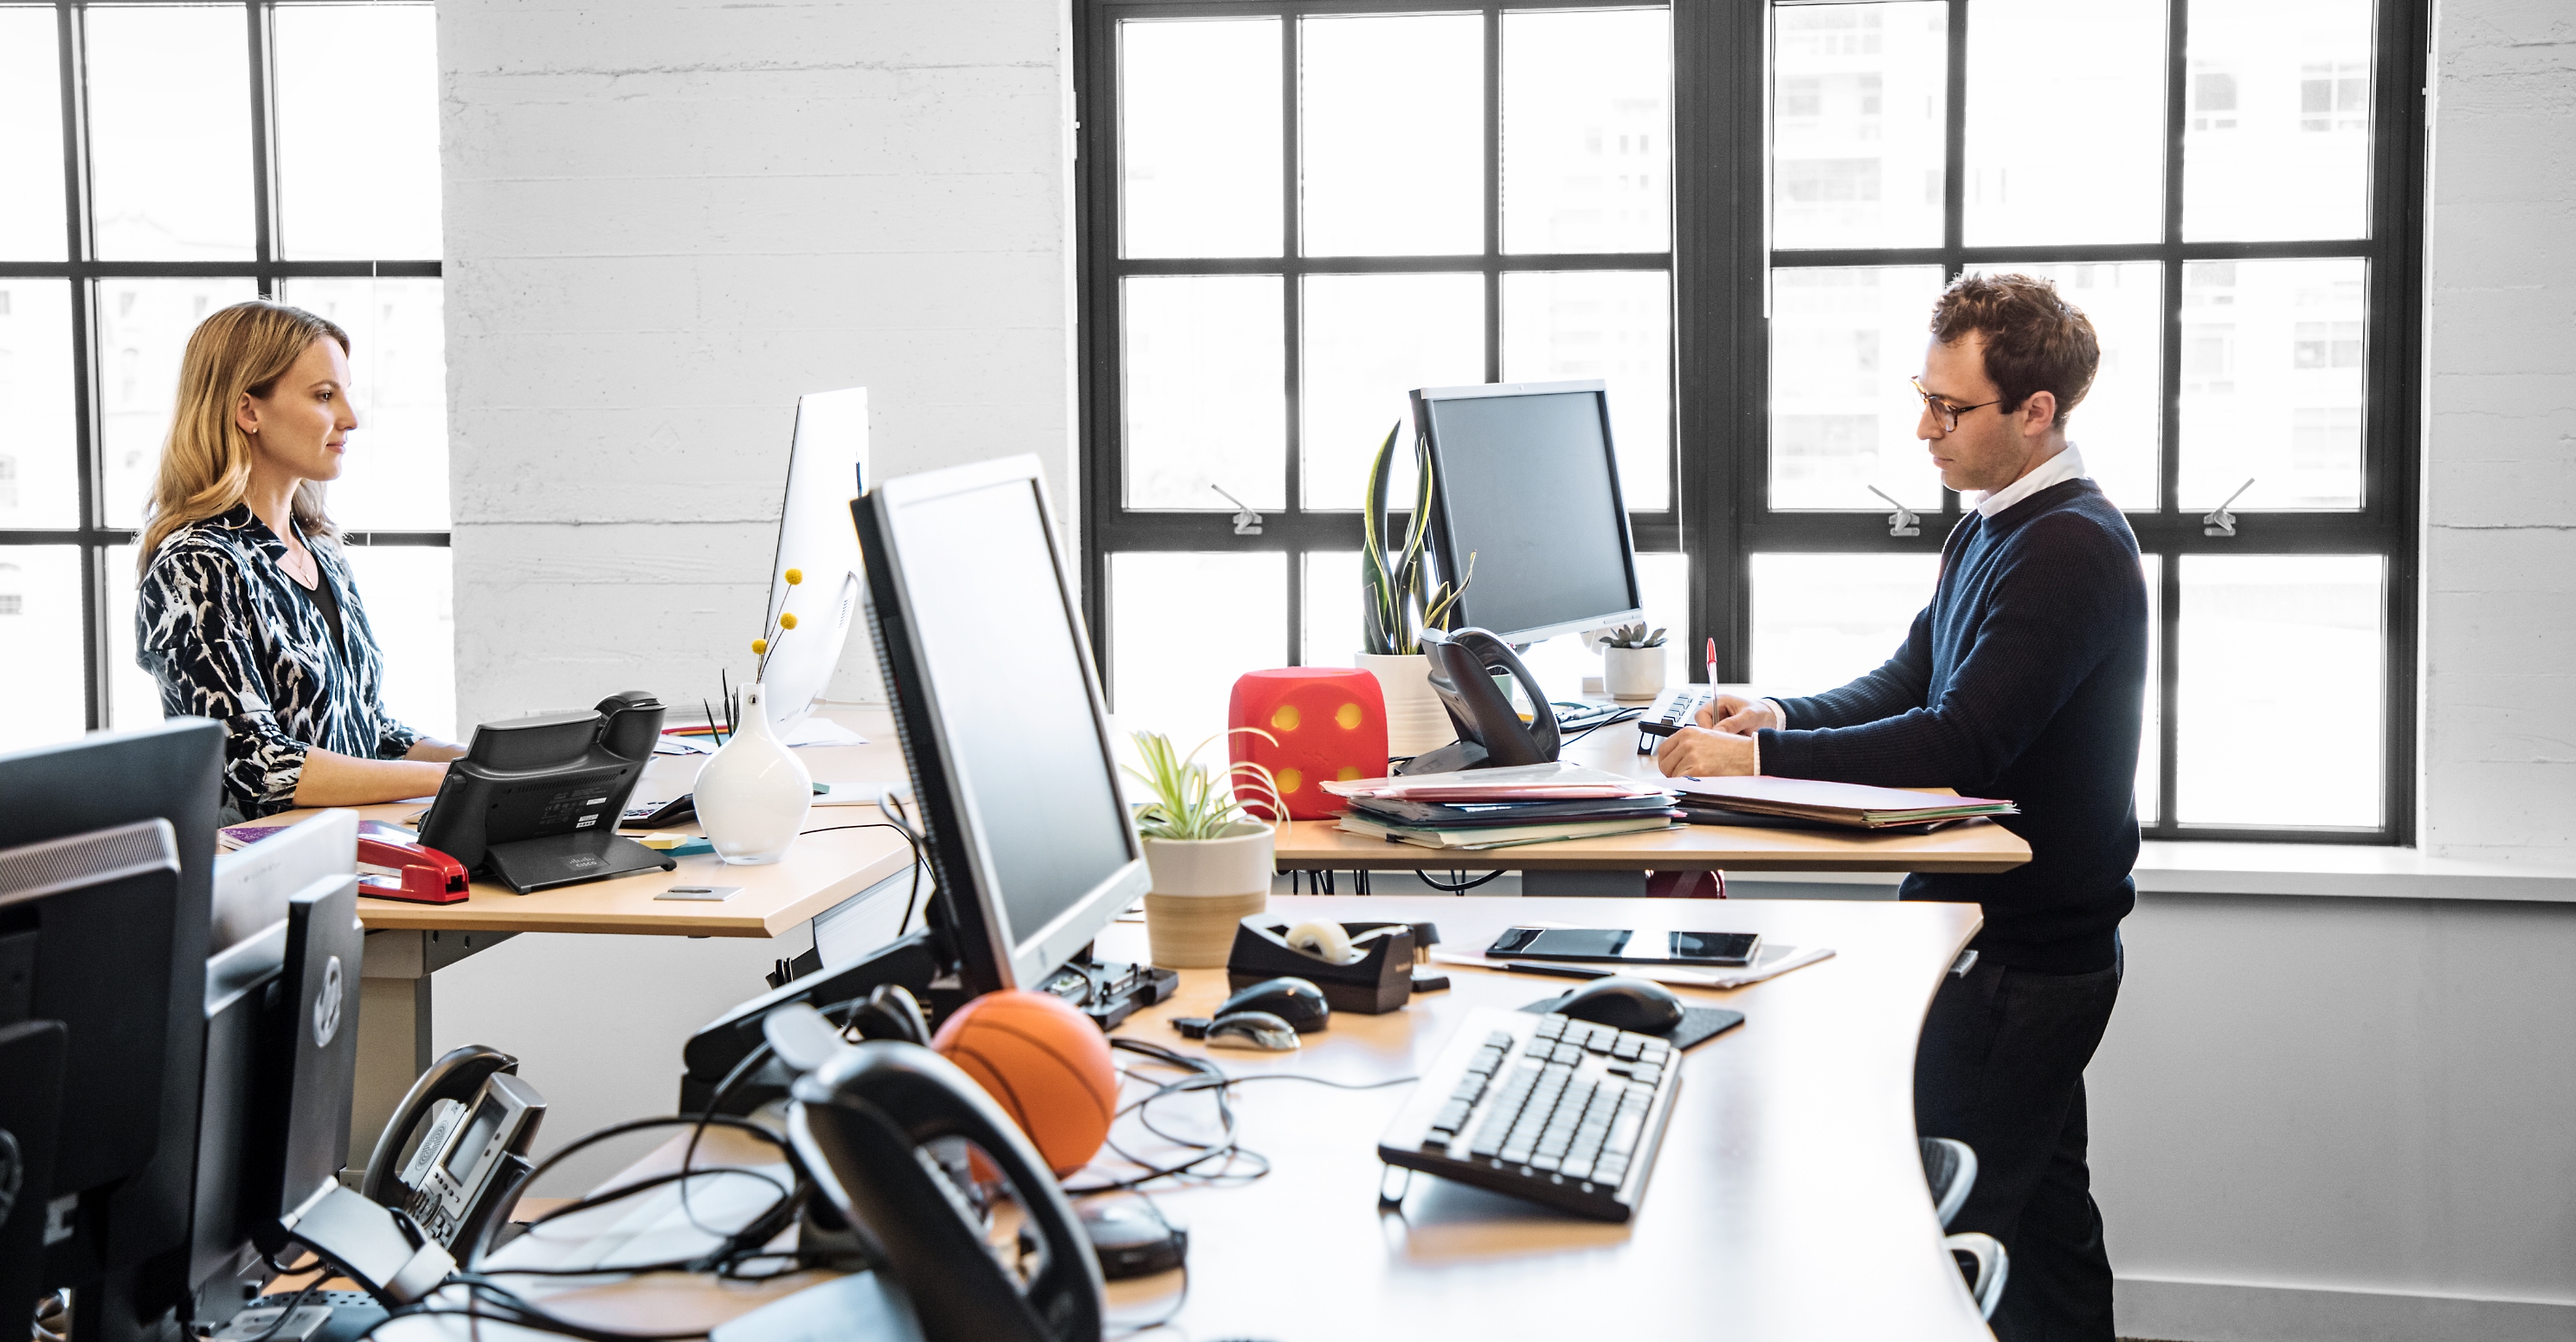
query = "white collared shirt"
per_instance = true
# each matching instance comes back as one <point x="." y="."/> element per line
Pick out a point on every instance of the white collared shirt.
<point x="2065" y="466"/>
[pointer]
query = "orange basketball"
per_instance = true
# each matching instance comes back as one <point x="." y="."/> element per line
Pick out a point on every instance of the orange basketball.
<point x="1045" y="1063"/>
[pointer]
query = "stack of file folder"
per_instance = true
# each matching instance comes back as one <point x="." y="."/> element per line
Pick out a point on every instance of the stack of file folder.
<point x="1805" y="802"/>
<point x="1499" y="808"/>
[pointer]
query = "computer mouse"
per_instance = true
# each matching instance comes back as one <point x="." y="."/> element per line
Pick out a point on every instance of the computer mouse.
<point x="1623" y="1003"/>
<point x="1294" y="1000"/>
<point x="1252" y="1029"/>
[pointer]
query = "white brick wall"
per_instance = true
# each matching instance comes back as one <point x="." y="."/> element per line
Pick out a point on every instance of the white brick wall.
<point x="2499" y="627"/>
<point x="664" y="221"/>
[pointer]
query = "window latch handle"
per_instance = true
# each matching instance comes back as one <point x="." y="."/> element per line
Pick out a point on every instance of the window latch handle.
<point x="1902" y="522"/>
<point x="1246" y="521"/>
<point x="2220" y="522"/>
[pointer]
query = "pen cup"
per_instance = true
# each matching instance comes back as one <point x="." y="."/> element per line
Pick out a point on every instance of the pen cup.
<point x="1201" y="889"/>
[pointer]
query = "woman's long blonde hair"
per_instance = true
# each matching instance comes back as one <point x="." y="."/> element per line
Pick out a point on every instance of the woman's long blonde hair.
<point x="205" y="462"/>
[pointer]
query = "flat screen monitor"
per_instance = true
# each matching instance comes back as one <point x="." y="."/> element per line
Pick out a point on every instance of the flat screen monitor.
<point x="104" y="919"/>
<point x="1526" y="482"/>
<point x="1001" y="716"/>
<point x="826" y="470"/>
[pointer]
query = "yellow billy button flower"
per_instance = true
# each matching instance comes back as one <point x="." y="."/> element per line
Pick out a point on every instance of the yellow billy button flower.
<point x="786" y="619"/>
<point x="759" y="647"/>
<point x="795" y="576"/>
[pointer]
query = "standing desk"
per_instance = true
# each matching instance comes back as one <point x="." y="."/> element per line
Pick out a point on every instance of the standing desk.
<point x="1787" y="1199"/>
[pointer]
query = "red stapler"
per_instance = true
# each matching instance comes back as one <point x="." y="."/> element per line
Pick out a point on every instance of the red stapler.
<point x="395" y="869"/>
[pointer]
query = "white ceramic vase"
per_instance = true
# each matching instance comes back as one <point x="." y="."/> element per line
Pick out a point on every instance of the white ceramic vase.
<point x="1201" y="889"/>
<point x="753" y="795"/>
<point x="1416" y="722"/>
<point x="1633" y="673"/>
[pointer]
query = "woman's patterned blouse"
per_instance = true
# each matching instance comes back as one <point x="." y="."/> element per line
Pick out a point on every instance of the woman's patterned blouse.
<point x="229" y="636"/>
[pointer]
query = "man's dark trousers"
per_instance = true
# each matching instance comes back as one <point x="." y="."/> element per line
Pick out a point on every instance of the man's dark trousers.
<point x="2002" y="1068"/>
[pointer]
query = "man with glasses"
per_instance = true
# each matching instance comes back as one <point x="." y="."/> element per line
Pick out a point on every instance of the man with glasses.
<point x="2024" y="678"/>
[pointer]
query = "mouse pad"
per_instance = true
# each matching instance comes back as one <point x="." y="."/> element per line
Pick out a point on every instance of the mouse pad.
<point x="1698" y="1023"/>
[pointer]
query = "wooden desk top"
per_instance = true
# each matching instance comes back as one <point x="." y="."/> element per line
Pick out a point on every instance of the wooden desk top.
<point x="1787" y="1200"/>
<point x="820" y="871"/>
<point x="1977" y="846"/>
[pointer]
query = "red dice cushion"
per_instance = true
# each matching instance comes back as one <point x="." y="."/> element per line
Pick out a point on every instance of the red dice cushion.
<point x="1329" y="723"/>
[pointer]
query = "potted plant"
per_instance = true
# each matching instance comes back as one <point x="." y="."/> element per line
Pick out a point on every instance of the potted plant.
<point x="1209" y="860"/>
<point x="1398" y="603"/>
<point x="1632" y="662"/>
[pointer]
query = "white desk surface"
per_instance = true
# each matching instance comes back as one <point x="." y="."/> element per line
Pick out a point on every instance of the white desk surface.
<point x="1787" y="1201"/>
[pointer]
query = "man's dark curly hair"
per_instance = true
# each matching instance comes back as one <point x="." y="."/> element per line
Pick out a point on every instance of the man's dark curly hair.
<point x="2035" y="340"/>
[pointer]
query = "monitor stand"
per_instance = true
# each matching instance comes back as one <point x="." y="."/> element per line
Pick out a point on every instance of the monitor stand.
<point x="1109" y="991"/>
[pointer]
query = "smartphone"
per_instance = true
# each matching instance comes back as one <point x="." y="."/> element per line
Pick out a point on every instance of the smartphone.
<point x="1605" y="943"/>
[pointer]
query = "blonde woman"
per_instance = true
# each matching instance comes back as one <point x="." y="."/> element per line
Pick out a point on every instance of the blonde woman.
<point x="246" y="612"/>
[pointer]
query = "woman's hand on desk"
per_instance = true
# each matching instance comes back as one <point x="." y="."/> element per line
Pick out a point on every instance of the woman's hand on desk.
<point x="1701" y="752"/>
<point x="434" y="750"/>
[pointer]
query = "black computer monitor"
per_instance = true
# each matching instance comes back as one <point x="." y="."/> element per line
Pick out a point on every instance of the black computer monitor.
<point x="1001" y="717"/>
<point x="108" y="845"/>
<point x="1526" y="481"/>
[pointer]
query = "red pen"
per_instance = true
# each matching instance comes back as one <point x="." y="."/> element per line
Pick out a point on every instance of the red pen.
<point x="1712" y="661"/>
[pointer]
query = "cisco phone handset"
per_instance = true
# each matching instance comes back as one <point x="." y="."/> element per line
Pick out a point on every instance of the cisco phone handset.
<point x="864" y="1112"/>
<point x="456" y="1153"/>
<point x="1490" y="730"/>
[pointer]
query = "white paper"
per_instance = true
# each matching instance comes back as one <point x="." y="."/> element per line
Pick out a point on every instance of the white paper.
<point x="822" y="731"/>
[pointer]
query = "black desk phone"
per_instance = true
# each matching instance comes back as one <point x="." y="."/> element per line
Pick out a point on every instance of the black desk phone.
<point x="1490" y="730"/>
<point x="456" y="1153"/>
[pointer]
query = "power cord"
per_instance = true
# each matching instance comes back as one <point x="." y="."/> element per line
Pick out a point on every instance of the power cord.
<point x="900" y="824"/>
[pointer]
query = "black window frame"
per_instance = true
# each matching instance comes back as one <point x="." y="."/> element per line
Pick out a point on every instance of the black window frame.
<point x="1109" y="526"/>
<point x="84" y="271"/>
<point x="1721" y="260"/>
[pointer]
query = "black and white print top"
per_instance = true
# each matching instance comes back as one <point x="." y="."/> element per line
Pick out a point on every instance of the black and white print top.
<point x="230" y="636"/>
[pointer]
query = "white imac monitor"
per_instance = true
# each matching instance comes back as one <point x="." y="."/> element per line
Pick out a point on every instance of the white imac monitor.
<point x="825" y="471"/>
<point x="1001" y="717"/>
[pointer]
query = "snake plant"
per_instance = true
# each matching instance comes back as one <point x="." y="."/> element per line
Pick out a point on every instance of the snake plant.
<point x="1395" y="592"/>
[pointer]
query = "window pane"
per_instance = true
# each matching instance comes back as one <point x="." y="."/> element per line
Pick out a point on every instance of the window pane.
<point x="2116" y="425"/>
<point x="394" y="477"/>
<point x="409" y="592"/>
<point x="38" y="453"/>
<point x="1369" y="340"/>
<point x="2276" y="142"/>
<point x="1843" y="341"/>
<point x="357" y="131"/>
<point x="1182" y="627"/>
<point x="2041" y="170"/>
<point x="1206" y="398"/>
<point x="40" y="624"/>
<point x="2272" y="385"/>
<point x="133" y="697"/>
<point x="143" y="327"/>
<point x="1859" y="99"/>
<point x="1391" y="113"/>
<point x="1616" y="325"/>
<point x="1821" y="620"/>
<point x="1332" y="615"/>
<point x="169" y="132"/>
<point x="2150" y="763"/>
<point x="2281" y="701"/>
<point x="1199" y="137"/>
<point x="1586" y="135"/>
<point x="31" y="154"/>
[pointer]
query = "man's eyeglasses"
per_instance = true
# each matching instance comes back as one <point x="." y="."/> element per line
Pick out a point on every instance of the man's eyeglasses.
<point x="1942" y="410"/>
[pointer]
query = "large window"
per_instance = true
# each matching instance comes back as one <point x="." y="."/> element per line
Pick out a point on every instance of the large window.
<point x="1739" y="215"/>
<point x="164" y="160"/>
<point x="2230" y="192"/>
<point x="1296" y="213"/>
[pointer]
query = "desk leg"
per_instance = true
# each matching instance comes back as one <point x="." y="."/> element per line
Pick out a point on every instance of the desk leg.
<point x="1604" y="884"/>
<point x="393" y="1021"/>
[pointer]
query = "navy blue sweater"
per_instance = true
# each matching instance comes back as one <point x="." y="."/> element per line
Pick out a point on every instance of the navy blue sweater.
<point x="2023" y="679"/>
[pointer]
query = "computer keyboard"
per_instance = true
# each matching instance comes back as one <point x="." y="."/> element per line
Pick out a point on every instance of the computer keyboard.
<point x="1673" y="708"/>
<point x="1555" y="1110"/>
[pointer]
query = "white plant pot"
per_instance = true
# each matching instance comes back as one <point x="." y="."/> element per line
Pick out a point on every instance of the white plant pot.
<point x="752" y="796"/>
<point x="1633" y="673"/>
<point x="1201" y="889"/>
<point x="1416" y="723"/>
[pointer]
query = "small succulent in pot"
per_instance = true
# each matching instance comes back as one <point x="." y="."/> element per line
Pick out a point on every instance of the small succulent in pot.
<point x="1632" y="636"/>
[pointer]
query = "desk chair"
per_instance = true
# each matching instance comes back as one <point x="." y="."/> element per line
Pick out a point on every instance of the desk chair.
<point x="1982" y="1261"/>
<point x="1951" y="1168"/>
